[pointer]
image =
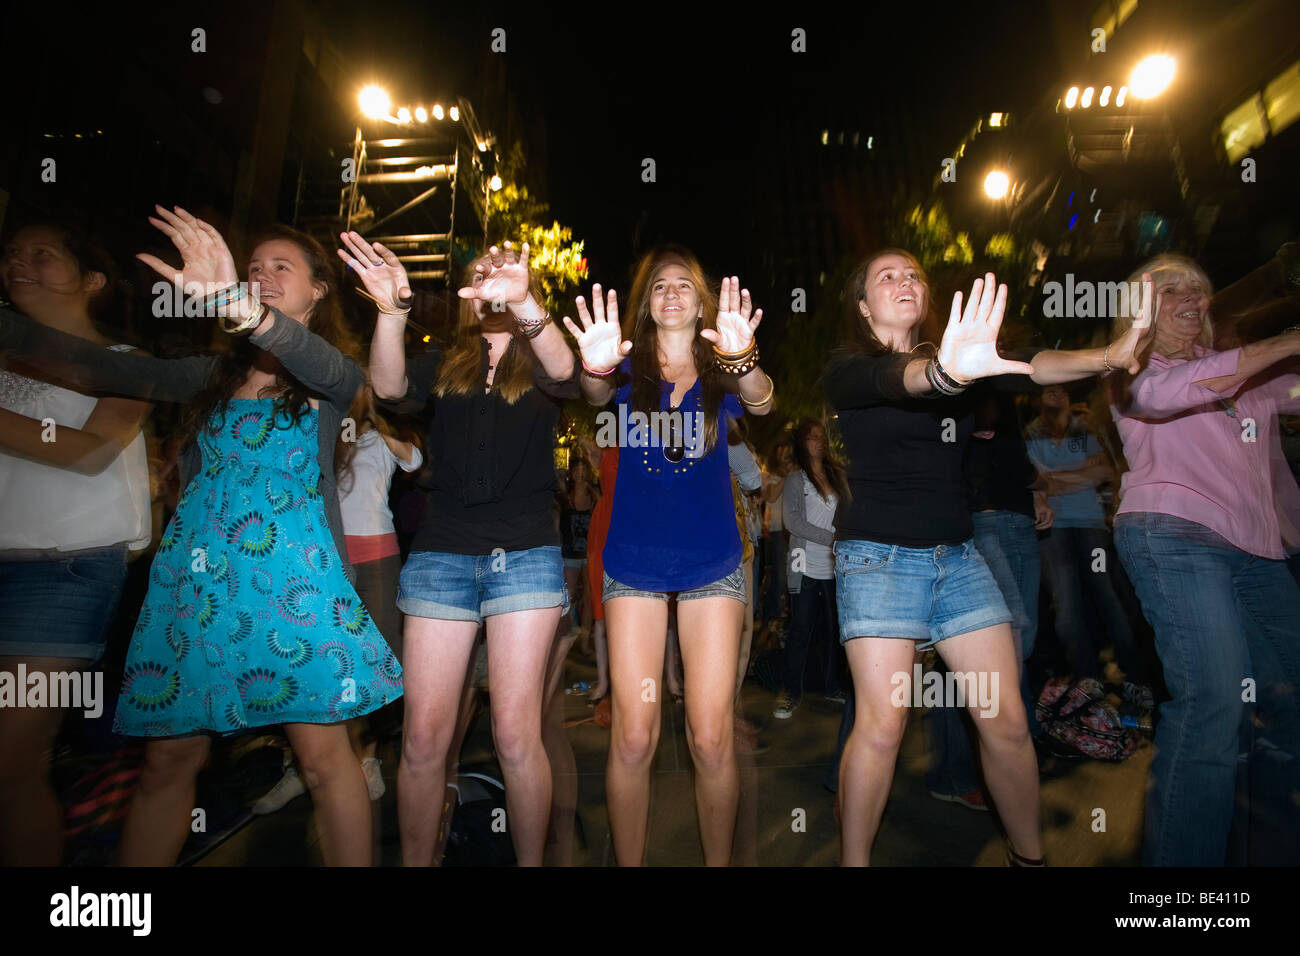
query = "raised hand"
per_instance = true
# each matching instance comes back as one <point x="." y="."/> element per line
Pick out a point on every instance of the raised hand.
<point x="500" y="277"/>
<point x="205" y="259"/>
<point x="1123" y="352"/>
<point x="736" y="328"/>
<point x="600" y="340"/>
<point x="379" y="270"/>
<point x="969" y="349"/>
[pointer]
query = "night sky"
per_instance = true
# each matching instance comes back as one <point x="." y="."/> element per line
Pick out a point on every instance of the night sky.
<point x="696" y="91"/>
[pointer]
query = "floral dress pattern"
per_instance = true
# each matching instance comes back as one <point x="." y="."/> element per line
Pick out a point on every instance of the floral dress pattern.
<point x="250" y="619"/>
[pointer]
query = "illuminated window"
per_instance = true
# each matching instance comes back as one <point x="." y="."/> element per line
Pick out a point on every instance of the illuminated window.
<point x="1282" y="99"/>
<point x="1243" y="129"/>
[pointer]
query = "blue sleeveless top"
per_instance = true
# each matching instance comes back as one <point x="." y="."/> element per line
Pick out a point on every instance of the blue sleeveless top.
<point x="673" y="526"/>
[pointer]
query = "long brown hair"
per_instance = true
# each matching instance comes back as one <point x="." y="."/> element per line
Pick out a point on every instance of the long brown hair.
<point x="461" y="371"/>
<point x="326" y="320"/>
<point x="859" y="337"/>
<point x="646" y="374"/>
<point x="366" y="414"/>
<point x="836" y="476"/>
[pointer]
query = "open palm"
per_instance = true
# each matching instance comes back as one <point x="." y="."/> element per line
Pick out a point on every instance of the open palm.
<point x="1123" y="353"/>
<point x="205" y="258"/>
<point x="969" y="349"/>
<point x="736" y="327"/>
<point x="379" y="269"/>
<point x="600" y="340"/>
<point x="502" y="276"/>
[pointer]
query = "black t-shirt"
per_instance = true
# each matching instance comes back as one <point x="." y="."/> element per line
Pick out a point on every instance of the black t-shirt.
<point x="906" y="485"/>
<point x="574" y="526"/>
<point x="493" y="468"/>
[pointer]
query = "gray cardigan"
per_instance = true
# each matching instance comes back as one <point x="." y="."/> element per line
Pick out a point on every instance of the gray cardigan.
<point x="309" y="358"/>
<point x="795" y="516"/>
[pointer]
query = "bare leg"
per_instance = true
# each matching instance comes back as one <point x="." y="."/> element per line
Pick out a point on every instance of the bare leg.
<point x="867" y="767"/>
<point x="519" y="644"/>
<point x="637" y="631"/>
<point x="469" y="704"/>
<point x="710" y="641"/>
<point x="31" y="818"/>
<point x="333" y="775"/>
<point x="602" y="660"/>
<point x="436" y="658"/>
<point x="158" y="823"/>
<point x="559" y="752"/>
<point x="1007" y="753"/>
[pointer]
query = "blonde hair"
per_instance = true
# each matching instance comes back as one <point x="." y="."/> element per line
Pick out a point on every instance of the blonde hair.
<point x="1162" y="265"/>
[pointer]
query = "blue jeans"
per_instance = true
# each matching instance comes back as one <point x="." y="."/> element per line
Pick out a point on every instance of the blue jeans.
<point x="1220" y="616"/>
<point x="1009" y="544"/>
<point x="1068" y="559"/>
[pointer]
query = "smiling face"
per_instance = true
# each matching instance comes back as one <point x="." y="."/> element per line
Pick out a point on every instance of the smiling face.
<point x="284" y="278"/>
<point x="895" y="294"/>
<point x="40" y="273"/>
<point x="815" y="443"/>
<point x="674" y="300"/>
<point x="1184" y="308"/>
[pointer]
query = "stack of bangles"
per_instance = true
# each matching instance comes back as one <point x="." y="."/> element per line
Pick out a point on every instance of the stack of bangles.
<point x="530" y="330"/>
<point x="742" y="363"/>
<point x="940" y="381"/>
<point x="224" y="298"/>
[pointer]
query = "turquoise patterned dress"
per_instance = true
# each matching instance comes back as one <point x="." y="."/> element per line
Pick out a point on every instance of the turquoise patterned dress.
<point x="250" y="619"/>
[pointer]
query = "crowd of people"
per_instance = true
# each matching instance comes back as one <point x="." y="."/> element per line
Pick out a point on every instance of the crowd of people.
<point x="946" y="488"/>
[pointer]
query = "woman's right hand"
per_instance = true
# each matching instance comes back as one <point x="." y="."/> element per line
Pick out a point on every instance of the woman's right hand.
<point x="600" y="340"/>
<point x="969" y="349"/>
<point x="380" y="270"/>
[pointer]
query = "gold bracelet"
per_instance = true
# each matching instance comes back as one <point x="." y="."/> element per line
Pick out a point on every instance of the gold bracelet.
<point x="771" y="389"/>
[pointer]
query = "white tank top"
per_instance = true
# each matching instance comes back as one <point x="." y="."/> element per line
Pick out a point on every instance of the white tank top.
<point x="46" y="508"/>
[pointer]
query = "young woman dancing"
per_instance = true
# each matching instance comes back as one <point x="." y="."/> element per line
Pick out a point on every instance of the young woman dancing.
<point x="907" y="573"/>
<point x="673" y="528"/>
<point x="251" y="618"/>
<point x="487" y="549"/>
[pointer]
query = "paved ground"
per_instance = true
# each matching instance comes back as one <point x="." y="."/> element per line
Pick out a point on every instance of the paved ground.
<point x="917" y="829"/>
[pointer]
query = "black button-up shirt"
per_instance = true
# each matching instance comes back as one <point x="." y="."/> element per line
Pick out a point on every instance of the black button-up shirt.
<point x="493" y="467"/>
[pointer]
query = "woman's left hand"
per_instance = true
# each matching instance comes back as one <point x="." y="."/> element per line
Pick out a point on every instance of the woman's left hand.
<point x="736" y="328"/>
<point x="502" y="276"/>
<point x="205" y="259"/>
<point x="1123" y="352"/>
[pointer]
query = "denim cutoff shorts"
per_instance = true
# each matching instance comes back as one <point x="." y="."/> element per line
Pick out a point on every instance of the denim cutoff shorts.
<point x="925" y="594"/>
<point x="470" y="587"/>
<point x="732" y="586"/>
<point x="61" y="608"/>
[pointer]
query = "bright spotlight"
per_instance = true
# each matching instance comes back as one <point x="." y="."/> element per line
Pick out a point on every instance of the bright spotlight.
<point x="1121" y="96"/>
<point x="1086" y="99"/>
<point x="437" y="111"/>
<point x="421" y="114"/>
<point x="403" y="115"/>
<point x="374" y="102"/>
<point x="454" y="113"/>
<point x="996" y="184"/>
<point x="1105" y="96"/>
<point x="495" y="183"/>
<point x="1071" y="97"/>
<point x="1152" y="76"/>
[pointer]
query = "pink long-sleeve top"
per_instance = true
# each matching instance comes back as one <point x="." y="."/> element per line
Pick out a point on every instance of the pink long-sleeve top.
<point x="1189" y="458"/>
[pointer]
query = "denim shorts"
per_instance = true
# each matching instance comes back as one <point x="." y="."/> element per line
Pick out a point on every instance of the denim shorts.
<point x="732" y="586"/>
<point x="575" y="564"/>
<point x="925" y="594"/>
<point x="470" y="587"/>
<point x="60" y="608"/>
